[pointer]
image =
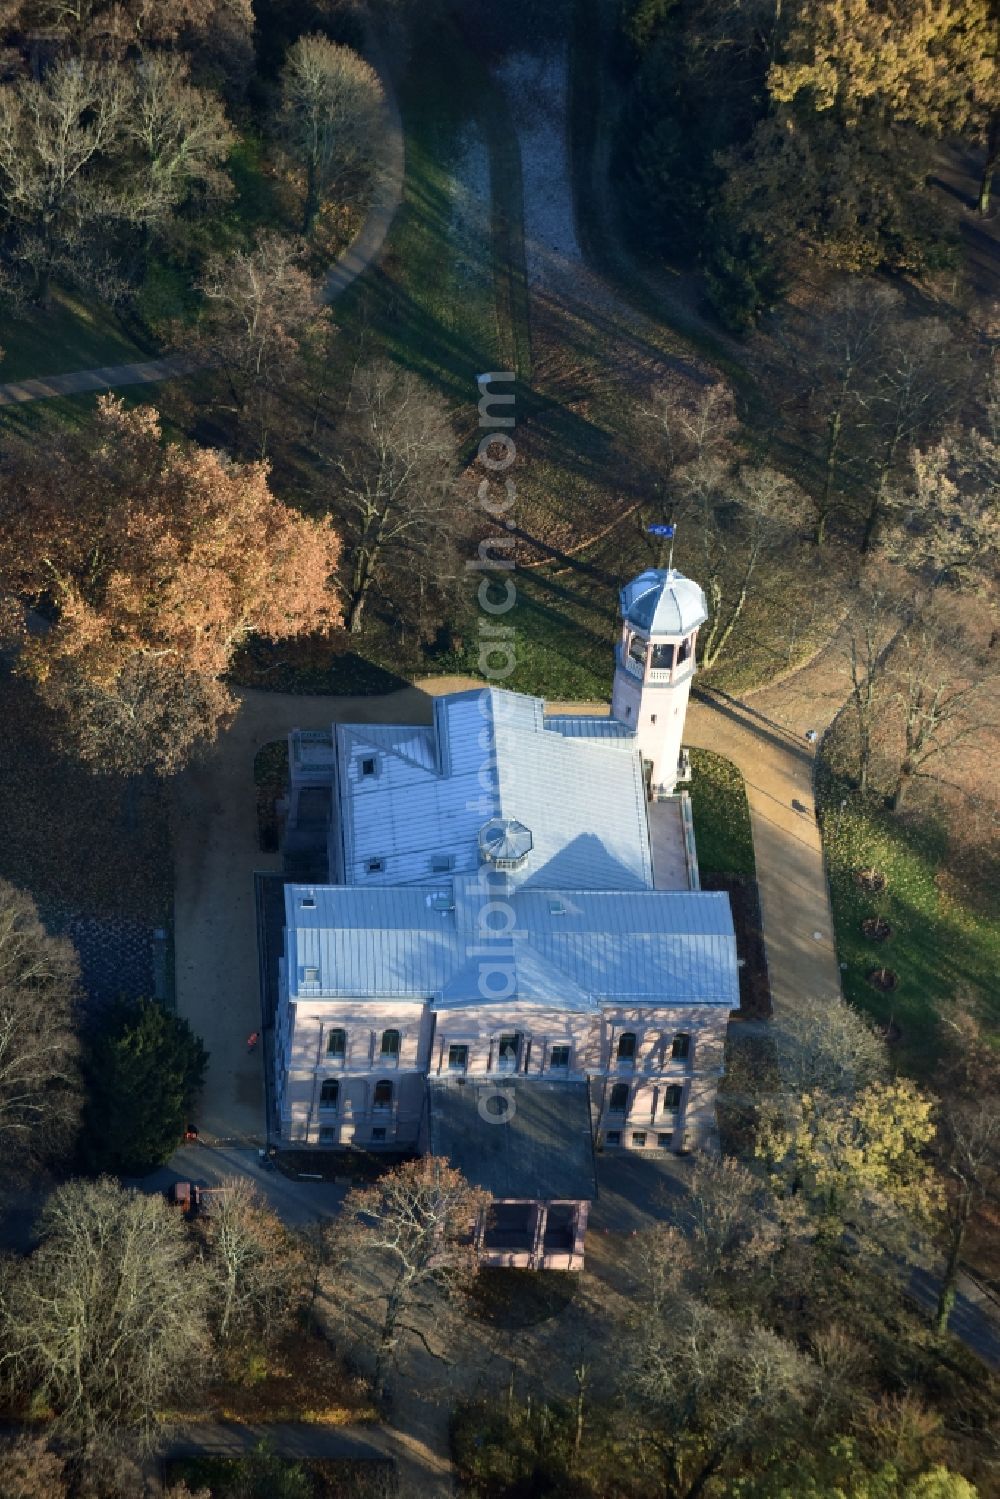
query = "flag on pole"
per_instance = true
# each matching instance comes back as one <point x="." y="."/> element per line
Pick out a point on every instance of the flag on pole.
<point x="660" y="530"/>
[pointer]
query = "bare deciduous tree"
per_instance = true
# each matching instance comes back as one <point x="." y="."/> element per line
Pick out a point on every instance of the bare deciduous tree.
<point x="826" y="1047"/>
<point x="714" y="1388"/>
<point x="413" y="1228"/>
<point x="873" y="629"/>
<point x="108" y="1316"/>
<point x="180" y="136"/>
<point x="257" y="1267"/>
<point x="263" y="323"/>
<point x="331" y="103"/>
<point x="940" y="685"/>
<point x="58" y="136"/>
<point x="39" y="1077"/>
<point x="945" y="515"/>
<point x="396" y="497"/>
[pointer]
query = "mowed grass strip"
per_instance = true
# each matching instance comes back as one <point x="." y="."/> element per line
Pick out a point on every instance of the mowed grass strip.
<point x="721" y="816"/>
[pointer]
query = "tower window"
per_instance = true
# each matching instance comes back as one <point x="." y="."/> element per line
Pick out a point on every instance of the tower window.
<point x="663" y="657"/>
<point x="684" y="650"/>
<point x="652" y="718"/>
<point x="637" y="650"/>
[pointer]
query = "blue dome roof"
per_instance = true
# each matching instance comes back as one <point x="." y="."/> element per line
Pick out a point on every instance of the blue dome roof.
<point x="659" y="602"/>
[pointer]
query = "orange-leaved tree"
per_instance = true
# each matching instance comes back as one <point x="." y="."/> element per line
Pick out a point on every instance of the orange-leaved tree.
<point x="148" y="563"/>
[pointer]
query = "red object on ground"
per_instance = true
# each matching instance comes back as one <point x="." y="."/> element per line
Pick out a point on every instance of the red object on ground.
<point x="252" y="1040"/>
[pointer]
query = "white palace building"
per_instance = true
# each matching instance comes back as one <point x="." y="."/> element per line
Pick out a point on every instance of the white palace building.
<point x="512" y="963"/>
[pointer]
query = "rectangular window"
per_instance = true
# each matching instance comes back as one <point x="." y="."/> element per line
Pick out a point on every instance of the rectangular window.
<point x="507" y="1053"/>
<point x="681" y="1048"/>
<point x="665" y="1140"/>
<point x="639" y="1137"/>
<point x="369" y="765"/>
<point x="378" y="1135"/>
<point x="336" y="1045"/>
<point x="328" y="1135"/>
<point x="613" y="1137"/>
<point x="441" y="863"/>
<point x="389" y="1046"/>
<point x="375" y="866"/>
<point x="559" y="1058"/>
<point x="458" y="1058"/>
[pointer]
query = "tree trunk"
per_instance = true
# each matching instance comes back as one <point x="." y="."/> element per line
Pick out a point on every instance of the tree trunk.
<point x="361" y="581"/>
<point x="989" y="167"/>
<point x="903" y="781"/>
<point x="311" y="206"/>
<point x="949" y="1281"/>
<point x="383" y="1357"/>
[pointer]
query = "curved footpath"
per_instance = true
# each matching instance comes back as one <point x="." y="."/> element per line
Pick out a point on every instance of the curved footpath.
<point x="349" y="265"/>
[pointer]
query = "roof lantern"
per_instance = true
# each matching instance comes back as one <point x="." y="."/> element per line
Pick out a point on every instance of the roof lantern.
<point x="504" y="842"/>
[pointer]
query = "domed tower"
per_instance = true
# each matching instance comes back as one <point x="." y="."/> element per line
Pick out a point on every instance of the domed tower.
<point x="654" y="666"/>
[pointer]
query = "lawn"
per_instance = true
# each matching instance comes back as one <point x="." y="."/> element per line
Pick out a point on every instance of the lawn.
<point x="943" y="945"/>
<point x="74" y="333"/>
<point x="434" y="303"/>
<point x="721" y="816"/>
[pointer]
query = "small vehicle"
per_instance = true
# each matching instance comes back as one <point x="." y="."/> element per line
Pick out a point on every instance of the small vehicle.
<point x="190" y="1197"/>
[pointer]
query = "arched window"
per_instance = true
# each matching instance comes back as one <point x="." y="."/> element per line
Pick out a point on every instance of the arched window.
<point x="383" y="1095"/>
<point x="672" y="1099"/>
<point x="390" y="1044"/>
<point x="681" y="1047"/>
<point x="619" y="1098"/>
<point x="626" y="1046"/>
<point x="336" y="1045"/>
<point x="329" y="1094"/>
